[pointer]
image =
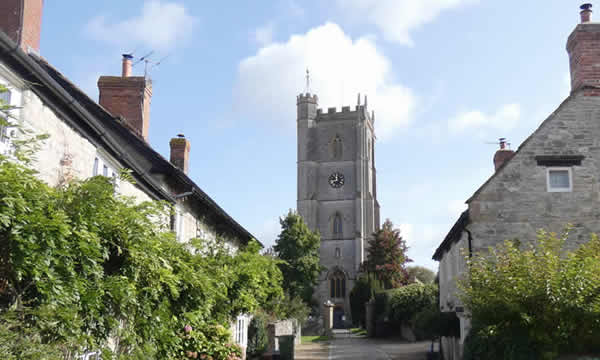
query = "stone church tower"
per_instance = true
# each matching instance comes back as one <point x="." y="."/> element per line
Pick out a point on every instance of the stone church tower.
<point x="337" y="191"/>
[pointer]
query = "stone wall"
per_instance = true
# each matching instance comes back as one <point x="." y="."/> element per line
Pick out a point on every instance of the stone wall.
<point x="516" y="202"/>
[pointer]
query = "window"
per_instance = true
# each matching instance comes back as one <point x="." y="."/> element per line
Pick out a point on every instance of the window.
<point x="338" y="252"/>
<point x="336" y="147"/>
<point x="108" y="170"/>
<point x="337" y="224"/>
<point x="559" y="179"/>
<point x="6" y="132"/>
<point x="96" y="163"/>
<point x="337" y="285"/>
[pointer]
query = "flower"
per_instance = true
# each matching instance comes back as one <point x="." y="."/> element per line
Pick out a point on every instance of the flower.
<point x="187" y="329"/>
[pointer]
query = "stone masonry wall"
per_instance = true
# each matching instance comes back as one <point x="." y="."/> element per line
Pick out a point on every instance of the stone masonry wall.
<point x="516" y="203"/>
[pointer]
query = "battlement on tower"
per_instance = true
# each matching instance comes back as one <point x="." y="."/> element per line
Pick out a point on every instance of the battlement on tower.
<point x="307" y="98"/>
<point x="345" y="113"/>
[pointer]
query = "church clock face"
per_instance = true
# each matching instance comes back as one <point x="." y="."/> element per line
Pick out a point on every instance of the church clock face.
<point x="336" y="180"/>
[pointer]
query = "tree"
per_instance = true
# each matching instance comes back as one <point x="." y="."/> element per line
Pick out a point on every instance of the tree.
<point x="537" y="300"/>
<point x="420" y="273"/>
<point x="386" y="257"/>
<point x="298" y="247"/>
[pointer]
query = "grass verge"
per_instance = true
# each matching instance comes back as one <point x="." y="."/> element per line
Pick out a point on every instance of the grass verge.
<point x="314" y="339"/>
<point x="358" y="331"/>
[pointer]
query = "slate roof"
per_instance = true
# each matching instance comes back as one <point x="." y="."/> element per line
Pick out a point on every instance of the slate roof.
<point x="102" y="128"/>
<point x="453" y="235"/>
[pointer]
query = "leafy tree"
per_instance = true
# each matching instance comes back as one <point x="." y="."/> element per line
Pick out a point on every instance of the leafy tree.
<point x="386" y="257"/>
<point x="420" y="273"/>
<point x="298" y="247"/>
<point x="533" y="301"/>
<point x="363" y="291"/>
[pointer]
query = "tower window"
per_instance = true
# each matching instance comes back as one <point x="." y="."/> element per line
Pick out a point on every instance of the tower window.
<point x="336" y="147"/>
<point x="337" y="285"/>
<point x="337" y="224"/>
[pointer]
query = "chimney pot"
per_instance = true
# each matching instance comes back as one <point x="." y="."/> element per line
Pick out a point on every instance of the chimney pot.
<point x="126" y="65"/>
<point x="180" y="152"/>
<point x="586" y="13"/>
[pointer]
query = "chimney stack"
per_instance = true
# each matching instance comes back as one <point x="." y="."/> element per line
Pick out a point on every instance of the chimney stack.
<point x="127" y="96"/>
<point x="21" y="20"/>
<point x="583" y="47"/>
<point x="180" y="152"/>
<point x="502" y="155"/>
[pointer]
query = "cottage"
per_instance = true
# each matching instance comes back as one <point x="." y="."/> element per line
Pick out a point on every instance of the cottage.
<point x="550" y="181"/>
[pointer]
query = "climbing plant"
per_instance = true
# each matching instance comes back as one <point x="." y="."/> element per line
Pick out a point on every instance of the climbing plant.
<point x="80" y="265"/>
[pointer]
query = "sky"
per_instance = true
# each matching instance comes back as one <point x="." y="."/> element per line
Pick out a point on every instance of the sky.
<point x="446" y="79"/>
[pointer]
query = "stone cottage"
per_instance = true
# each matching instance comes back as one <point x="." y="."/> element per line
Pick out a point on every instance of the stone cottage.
<point x="89" y="139"/>
<point x="550" y="181"/>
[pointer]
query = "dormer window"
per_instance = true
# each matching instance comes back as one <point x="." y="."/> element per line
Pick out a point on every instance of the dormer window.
<point x="559" y="179"/>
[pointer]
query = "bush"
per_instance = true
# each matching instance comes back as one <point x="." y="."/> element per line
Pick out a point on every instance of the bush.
<point x="431" y="323"/>
<point x="402" y="304"/>
<point x="538" y="299"/>
<point x="364" y="289"/>
<point x="257" y="336"/>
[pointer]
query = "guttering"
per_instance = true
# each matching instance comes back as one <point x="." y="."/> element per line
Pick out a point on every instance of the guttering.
<point x="13" y="50"/>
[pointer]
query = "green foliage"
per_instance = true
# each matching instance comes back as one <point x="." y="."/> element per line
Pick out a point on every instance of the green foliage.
<point x="298" y="247"/>
<point x="290" y="308"/>
<point x="420" y="273"/>
<point x="79" y="265"/>
<point x="364" y="290"/>
<point x="430" y="323"/>
<point x="538" y="300"/>
<point x="257" y="336"/>
<point x="386" y="257"/>
<point x="401" y="304"/>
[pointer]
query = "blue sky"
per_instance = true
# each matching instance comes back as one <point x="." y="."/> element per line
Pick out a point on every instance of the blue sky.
<point x="443" y="76"/>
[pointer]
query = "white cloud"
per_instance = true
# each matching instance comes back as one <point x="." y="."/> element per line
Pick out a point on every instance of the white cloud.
<point x="397" y="18"/>
<point x="268" y="232"/>
<point x="504" y="118"/>
<point x="264" y="34"/>
<point x="340" y="67"/>
<point x="422" y="240"/>
<point x="160" y="26"/>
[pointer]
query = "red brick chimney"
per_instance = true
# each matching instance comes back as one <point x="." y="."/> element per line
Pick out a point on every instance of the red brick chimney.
<point x="180" y="152"/>
<point x="21" y="20"/>
<point x="127" y="96"/>
<point x="502" y="155"/>
<point x="583" y="47"/>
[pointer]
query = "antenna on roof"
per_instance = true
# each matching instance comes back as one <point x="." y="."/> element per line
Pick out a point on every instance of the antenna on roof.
<point x="143" y="58"/>
<point x="501" y="142"/>
<point x="154" y="64"/>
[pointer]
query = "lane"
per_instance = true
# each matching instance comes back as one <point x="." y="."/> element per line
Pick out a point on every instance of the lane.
<point x="346" y="346"/>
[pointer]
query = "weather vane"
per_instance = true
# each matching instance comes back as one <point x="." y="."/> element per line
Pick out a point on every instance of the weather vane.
<point x="307" y="81"/>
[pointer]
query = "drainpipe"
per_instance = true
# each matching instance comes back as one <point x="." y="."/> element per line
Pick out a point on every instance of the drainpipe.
<point x="470" y="240"/>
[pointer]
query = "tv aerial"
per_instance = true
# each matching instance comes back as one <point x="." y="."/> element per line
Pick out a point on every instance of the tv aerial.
<point x="501" y="142"/>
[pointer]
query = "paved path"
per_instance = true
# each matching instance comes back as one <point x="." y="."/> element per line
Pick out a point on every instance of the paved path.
<point x="346" y="346"/>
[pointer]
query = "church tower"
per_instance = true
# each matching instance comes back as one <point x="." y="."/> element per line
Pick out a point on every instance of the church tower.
<point x="337" y="193"/>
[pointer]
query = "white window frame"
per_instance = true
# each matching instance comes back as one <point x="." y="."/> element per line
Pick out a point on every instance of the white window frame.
<point x="557" y="168"/>
<point x="106" y="167"/>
